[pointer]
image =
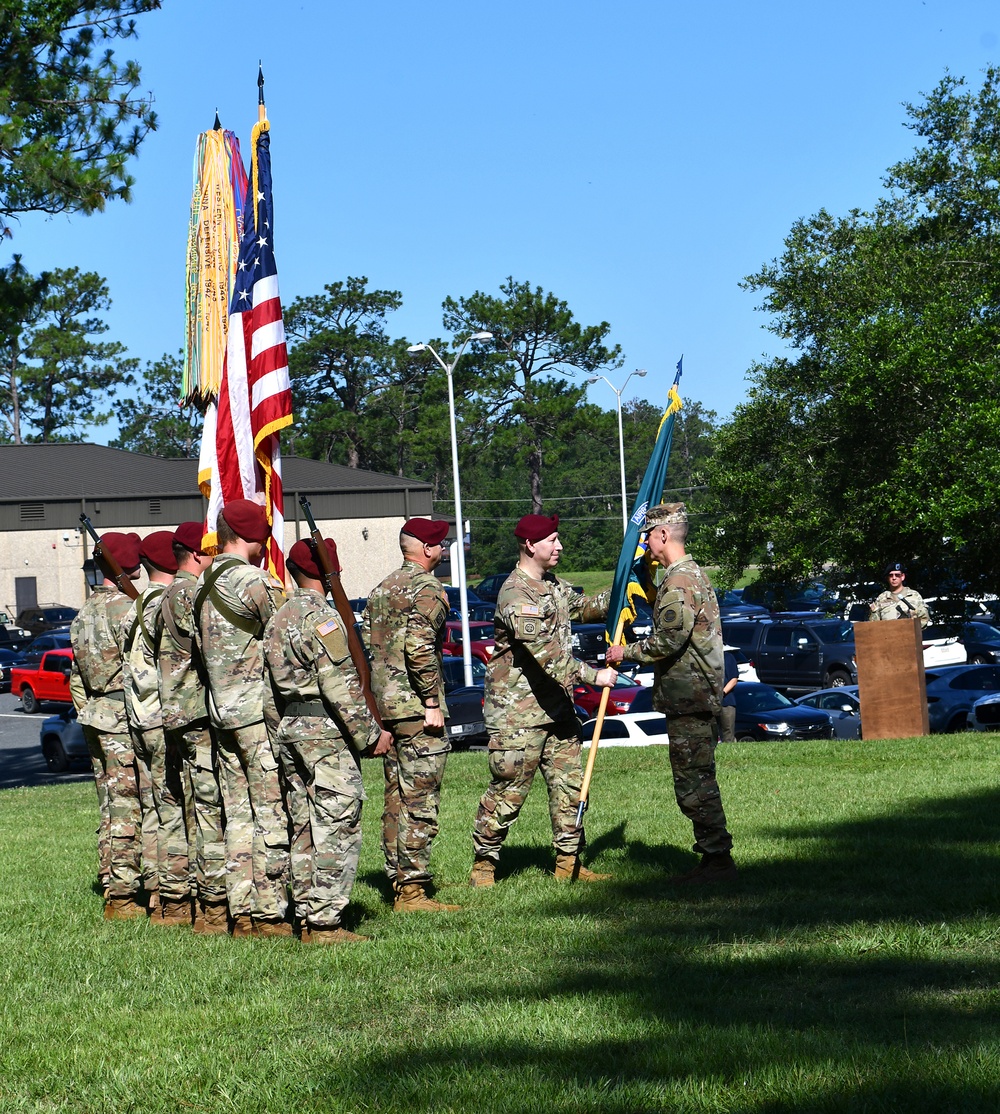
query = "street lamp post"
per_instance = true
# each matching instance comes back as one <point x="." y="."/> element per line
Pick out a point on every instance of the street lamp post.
<point x="463" y="593"/>
<point x="621" y="440"/>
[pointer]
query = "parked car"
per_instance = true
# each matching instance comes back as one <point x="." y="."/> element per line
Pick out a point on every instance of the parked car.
<point x="40" y="619"/>
<point x="800" y="655"/>
<point x="841" y="705"/>
<point x="481" y="612"/>
<point x="13" y="637"/>
<point x="644" y="674"/>
<point x="34" y="651"/>
<point x="481" y="639"/>
<point x="982" y="643"/>
<point x="455" y="597"/>
<point x="465" y="724"/>
<point x="764" y="713"/>
<point x="48" y="680"/>
<point x="733" y="606"/>
<point x="7" y="661"/>
<point x="632" y="729"/>
<point x="63" y="741"/>
<point x="942" y="646"/>
<point x="489" y="588"/>
<point x="985" y="714"/>
<point x="642" y="625"/>
<point x="624" y="692"/>
<point x="953" y="689"/>
<point x="589" y="642"/>
<point x="808" y="596"/>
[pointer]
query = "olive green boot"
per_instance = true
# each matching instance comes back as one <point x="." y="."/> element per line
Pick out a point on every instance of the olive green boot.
<point x="570" y="869"/>
<point x="411" y="897"/>
<point x="483" y="873"/>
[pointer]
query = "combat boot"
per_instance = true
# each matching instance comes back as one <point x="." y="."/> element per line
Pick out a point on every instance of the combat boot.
<point x="243" y="925"/>
<point x="483" y="873"/>
<point x="175" y="912"/>
<point x="717" y="867"/>
<point x="570" y="869"/>
<point x="122" y="908"/>
<point x="312" y="935"/>
<point x="271" y="928"/>
<point x="211" y="919"/>
<point x="411" y="897"/>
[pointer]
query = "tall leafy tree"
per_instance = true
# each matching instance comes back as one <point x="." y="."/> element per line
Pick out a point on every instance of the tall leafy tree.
<point x="21" y="301"/>
<point x="69" y="379"/>
<point x="152" y="420"/>
<point x="535" y="341"/>
<point x="876" y="437"/>
<point x="70" y="116"/>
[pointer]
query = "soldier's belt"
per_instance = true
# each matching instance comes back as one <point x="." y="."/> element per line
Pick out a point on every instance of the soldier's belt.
<point x="117" y="694"/>
<point x="305" y="708"/>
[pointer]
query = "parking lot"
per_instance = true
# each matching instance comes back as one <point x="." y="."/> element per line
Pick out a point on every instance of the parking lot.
<point x="21" y="761"/>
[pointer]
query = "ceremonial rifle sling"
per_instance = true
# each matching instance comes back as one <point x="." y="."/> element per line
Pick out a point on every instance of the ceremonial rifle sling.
<point x="253" y="627"/>
<point x="185" y="643"/>
<point x="139" y="621"/>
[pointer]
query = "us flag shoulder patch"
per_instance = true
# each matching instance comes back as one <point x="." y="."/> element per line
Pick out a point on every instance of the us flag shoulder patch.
<point x="529" y="609"/>
<point x="327" y="628"/>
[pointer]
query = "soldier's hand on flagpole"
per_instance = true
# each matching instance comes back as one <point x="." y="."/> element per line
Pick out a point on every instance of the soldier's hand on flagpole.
<point x="615" y="655"/>
<point x="606" y="678"/>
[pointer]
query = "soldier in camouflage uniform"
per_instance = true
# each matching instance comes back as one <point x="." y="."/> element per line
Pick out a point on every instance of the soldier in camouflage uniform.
<point x="686" y="651"/>
<point x="164" y="841"/>
<point x="899" y="602"/>
<point x="324" y="725"/>
<point x="529" y="702"/>
<point x="403" y="630"/>
<point x="233" y="603"/>
<point x="99" y="698"/>
<point x="189" y="741"/>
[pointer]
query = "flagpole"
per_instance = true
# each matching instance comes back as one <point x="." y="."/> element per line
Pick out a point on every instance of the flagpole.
<point x="596" y="740"/>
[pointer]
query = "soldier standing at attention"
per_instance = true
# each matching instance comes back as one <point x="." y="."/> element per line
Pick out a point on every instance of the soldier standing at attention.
<point x="529" y="702"/>
<point x="99" y="697"/>
<point x="686" y="651"/>
<point x="233" y="602"/>
<point x="184" y="708"/>
<point x="404" y="629"/>
<point x="164" y="841"/>
<point x="324" y="727"/>
<point x="899" y="602"/>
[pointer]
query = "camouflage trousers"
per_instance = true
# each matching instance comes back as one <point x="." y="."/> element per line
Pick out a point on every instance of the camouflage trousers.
<point x="692" y="760"/>
<point x="202" y="802"/>
<point x="413" y="767"/>
<point x="256" y="831"/>
<point x="161" y="797"/>
<point x="325" y="794"/>
<point x="104" y="812"/>
<point x="554" y="749"/>
<point x="112" y="755"/>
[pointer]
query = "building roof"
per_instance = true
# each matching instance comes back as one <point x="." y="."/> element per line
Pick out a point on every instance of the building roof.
<point x="76" y="471"/>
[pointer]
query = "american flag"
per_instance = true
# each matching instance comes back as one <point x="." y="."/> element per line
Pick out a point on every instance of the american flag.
<point x="255" y="399"/>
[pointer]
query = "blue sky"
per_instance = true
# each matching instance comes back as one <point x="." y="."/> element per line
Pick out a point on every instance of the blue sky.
<point x="637" y="159"/>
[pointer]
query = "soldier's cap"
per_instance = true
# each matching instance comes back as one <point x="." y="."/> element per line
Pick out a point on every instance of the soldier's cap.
<point x="158" y="549"/>
<point x="247" y="519"/>
<point x="894" y="566"/>
<point x="426" y="530"/>
<point x="666" y="514"/>
<point x="190" y="535"/>
<point x="124" y="548"/>
<point x="303" y="556"/>
<point x="534" y="527"/>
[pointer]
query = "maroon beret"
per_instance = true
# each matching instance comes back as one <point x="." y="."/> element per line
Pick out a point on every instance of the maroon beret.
<point x="247" y="520"/>
<point x="124" y="548"/>
<point x="427" y="531"/>
<point x="190" y="535"/>
<point x="534" y="527"/>
<point x="302" y="554"/>
<point x="158" y="548"/>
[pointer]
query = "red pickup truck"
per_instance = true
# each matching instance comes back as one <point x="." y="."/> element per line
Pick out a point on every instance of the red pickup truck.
<point x="48" y="680"/>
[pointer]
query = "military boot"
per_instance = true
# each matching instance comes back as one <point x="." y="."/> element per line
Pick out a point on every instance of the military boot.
<point x="312" y="935"/>
<point x="271" y="928"/>
<point x="411" y="897"/>
<point x="211" y="919"/>
<point x="483" y="873"/>
<point x="175" y="912"/>
<point x="243" y="925"/>
<point x="122" y="908"/>
<point x="717" y="867"/>
<point x="570" y="869"/>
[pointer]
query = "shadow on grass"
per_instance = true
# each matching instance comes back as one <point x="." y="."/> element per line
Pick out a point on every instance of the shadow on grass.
<point x="856" y="972"/>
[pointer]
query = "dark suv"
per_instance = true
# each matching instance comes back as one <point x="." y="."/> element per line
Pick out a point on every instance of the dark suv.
<point x="41" y="619"/>
<point x="796" y="654"/>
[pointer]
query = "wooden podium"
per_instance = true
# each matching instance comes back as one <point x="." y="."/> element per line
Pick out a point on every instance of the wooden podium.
<point x="891" y="684"/>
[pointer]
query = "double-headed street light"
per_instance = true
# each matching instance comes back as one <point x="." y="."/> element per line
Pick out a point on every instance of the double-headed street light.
<point x="621" y="440"/>
<point x="463" y="593"/>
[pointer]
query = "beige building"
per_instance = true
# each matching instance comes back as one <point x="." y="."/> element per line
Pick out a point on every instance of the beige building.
<point x="45" y="489"/>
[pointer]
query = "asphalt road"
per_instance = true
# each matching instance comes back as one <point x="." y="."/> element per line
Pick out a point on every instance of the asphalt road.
<point x="21" y="761"/>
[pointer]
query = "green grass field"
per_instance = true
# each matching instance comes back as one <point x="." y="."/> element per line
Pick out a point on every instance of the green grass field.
<point x="854" y="967"/>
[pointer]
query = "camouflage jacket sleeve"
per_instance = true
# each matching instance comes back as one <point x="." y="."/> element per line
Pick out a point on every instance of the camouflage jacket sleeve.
<point x="589" y="609"/>
<point x="340" y="685"/>
<point x="423" y="655"/>
<point x="679" y="603"/>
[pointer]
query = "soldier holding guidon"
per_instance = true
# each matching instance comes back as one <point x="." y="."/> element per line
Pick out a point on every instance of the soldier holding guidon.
<point x="529" y="702"/>
<point x="685" y="648"/>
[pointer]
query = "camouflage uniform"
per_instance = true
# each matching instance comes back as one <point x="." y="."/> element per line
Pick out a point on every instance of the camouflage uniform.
<point x="184" y="708"/>
<point x="529" y="708"/>
<point x="686" y="649"/>
<point x="233" y="603"/>
<point x="403" y="628"/>
<point x="164" y="840"/>
<point x="904" y="604"/>
<point x="324" y="724"/>
<point x="96" y="688"/>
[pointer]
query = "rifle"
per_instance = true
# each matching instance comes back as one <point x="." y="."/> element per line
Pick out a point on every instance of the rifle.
<point x="331" y="580"/>
<point x="117" y="572"/>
